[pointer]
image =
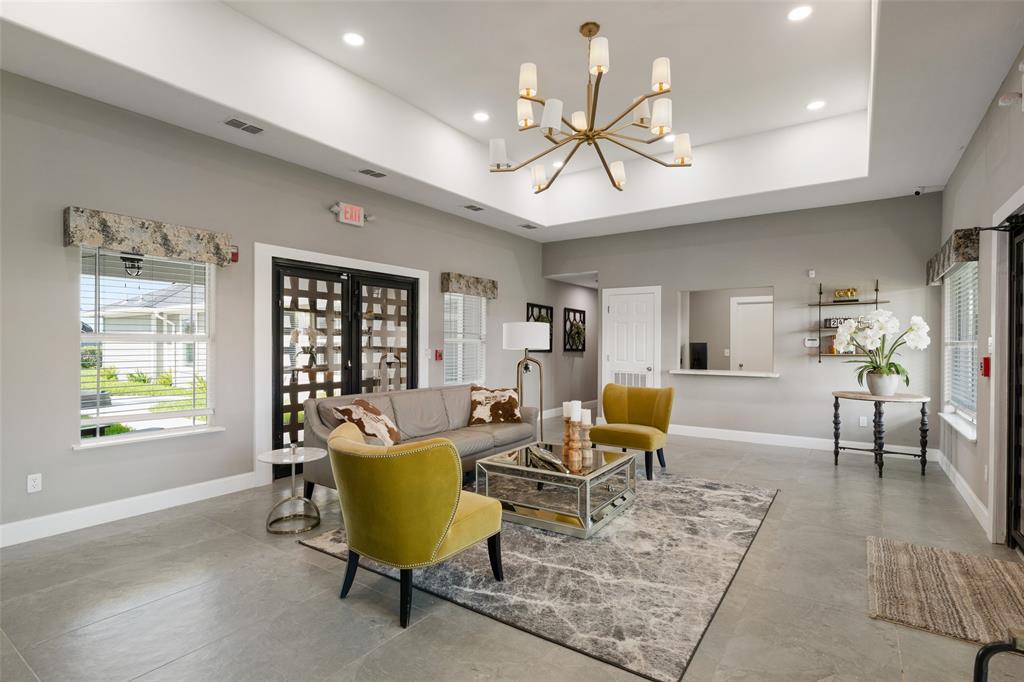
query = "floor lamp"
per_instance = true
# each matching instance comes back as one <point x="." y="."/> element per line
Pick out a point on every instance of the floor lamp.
<point x="527" y="336"/>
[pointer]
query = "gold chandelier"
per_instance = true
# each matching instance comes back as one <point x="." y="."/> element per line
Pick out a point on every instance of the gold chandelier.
<point x="656" y="118"/>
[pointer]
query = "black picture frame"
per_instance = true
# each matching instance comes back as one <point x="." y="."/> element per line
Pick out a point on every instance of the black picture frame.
<point x="572" y="343"/>
<point x="538" y="312"/>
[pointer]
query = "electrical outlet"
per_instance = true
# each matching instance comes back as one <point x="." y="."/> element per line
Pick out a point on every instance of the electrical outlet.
<point x="864" y="421"/>
<point x="33" y="483"/>
<point x="726" y="352"/>
<point x="812" y="274"/>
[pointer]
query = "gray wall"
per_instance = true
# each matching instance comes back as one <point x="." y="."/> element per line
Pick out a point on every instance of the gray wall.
<point x="847" y="245"/>
<point x="710" y="320"/>
<point x="61" y="149"/>
<point x="989" y="172"/>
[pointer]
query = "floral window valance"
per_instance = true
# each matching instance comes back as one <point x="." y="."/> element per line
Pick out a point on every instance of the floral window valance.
<point x="457" y="283"/>
<point x="144" y="237"/>
<point x="961" y="247"/>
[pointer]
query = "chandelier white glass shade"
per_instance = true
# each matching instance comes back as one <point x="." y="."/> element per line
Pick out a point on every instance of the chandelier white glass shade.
<point x="650" y="111"/>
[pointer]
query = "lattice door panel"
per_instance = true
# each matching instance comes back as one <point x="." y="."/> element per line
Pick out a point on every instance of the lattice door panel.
<point x="313" y="321"/>
<point x="384" y="338"/>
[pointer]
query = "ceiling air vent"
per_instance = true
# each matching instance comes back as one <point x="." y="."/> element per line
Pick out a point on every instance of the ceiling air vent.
<point x="473" y="207"/>
<point x="243" y="126"/>
<point x="373" y="173"/>
<point x="527" y="226"/>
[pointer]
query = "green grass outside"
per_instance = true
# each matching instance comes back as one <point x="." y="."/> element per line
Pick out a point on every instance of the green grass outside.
<point x="122" y="387"/>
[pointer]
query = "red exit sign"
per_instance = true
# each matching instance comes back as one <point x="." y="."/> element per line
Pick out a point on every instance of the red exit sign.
<point x="350" y="214"/>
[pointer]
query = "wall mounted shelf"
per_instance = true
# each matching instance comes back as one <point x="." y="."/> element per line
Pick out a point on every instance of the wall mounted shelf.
<point x="823" y="331"/>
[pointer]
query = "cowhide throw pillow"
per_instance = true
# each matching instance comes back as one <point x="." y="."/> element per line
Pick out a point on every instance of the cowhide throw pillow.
<point x="494" y="406"/>
<point x="370" y="420"/>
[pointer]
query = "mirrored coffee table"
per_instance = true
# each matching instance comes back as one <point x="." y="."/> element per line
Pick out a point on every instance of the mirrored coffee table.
<point x="578" y="502"/>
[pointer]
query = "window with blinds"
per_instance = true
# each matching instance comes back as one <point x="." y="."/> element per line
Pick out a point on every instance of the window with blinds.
<point x="465" y="338"/>
<point x="960" y="339"/>
<point x="145" y="343"/>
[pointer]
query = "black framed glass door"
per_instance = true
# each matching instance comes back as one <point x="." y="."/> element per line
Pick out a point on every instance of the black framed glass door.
<point x="337" y="331"/>
<point x="1015" y="417"/>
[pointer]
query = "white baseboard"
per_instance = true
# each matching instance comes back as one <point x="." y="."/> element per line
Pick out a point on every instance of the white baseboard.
<point x="784" y="440"/>
<point x="976" y="506"/>
<point x="16" y="532"/>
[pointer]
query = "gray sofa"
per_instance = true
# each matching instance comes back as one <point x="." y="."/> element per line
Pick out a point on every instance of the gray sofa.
<point x="419" y="414"/>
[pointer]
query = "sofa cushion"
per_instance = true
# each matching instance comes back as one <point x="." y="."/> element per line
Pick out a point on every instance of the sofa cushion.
<point x="326" y="406"/>
<point x="456" y="402"/>
<point x="419" y="413"/>
<point x="466" y="441"/>
<point x="370" y="420"/>
<point x="494" y="405"/>
<point x="504" y="434"/>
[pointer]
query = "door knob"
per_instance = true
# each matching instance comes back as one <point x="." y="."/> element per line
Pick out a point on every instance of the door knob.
<point x="650" y="369"/>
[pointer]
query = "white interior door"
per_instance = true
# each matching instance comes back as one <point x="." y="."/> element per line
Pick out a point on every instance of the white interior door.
<point x="751" y="332"/>
<point x="631" y="336"/>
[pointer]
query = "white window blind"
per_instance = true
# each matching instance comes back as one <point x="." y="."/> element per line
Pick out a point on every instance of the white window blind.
<point x="465" y="338"/>
<point x="960" y="342"/>
<point x="145" y="343"/>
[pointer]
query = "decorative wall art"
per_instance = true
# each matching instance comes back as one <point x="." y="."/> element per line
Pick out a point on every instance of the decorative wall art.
<point x="574" y="332"/>
<point x="538" y="312"/>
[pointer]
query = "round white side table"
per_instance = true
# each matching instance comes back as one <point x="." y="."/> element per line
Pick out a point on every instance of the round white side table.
<point x="293" y="455"/>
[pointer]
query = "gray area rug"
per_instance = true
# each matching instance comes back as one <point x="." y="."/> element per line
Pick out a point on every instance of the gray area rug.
<point x="639" y="595"/>
<point x="969" y="597"/>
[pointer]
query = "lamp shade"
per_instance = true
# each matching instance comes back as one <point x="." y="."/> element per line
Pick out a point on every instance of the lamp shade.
<point x="499" y="157"/>
<point x="661" y="118"/>
<point x="539" y="177"/>
<point x="524" y="113"/>
<point x="618" y="170"/>
<point x="551" y="119"/>
<point x="599" y="58"/>
<point x="642" y="114"/>
<point x="526" y="335"/>
<point x="661" y="75"/>
<point x="528" y="79"/>
<point x="682" y="152"/>
<point x="579" y="120"/>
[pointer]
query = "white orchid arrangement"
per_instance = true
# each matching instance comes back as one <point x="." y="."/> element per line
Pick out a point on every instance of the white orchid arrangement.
<point x="877" y="335"/>
<point x="312" y="338"/>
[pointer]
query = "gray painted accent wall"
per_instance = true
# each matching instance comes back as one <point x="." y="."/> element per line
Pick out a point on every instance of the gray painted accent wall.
<point x="847" y="245"/>
<point x="61" y="149"/>
<point x="989" y="172"/>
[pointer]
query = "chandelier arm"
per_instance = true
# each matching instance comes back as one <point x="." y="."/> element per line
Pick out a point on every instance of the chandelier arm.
<point x="634" y="105"/>
<point x="593" y="102"/>
<point x="512" y="169"/>
<point x="622" y="127"/>
<point x="604" y="163"/>
<point x="643" y="154"/>
<point x="634" y="139"/>
<point x="565" y="163"/>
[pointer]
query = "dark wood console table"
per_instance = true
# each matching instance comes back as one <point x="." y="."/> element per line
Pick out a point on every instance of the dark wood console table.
<point x="879" y="427"/>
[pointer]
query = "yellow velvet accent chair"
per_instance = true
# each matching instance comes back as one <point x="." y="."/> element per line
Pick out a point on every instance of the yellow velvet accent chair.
<point x="637" y="419"/>
<point x="404" y="507"/>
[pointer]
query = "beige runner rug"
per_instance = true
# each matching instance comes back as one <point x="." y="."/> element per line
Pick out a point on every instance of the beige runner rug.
<point x="968" y="597"/>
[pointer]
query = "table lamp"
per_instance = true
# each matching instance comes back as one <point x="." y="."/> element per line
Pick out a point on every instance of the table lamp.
<point x="526" y="336"/>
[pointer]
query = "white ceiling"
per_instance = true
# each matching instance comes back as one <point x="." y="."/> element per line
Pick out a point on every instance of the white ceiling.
<point x="914" y="79"/>
<point x="738" y="68"/>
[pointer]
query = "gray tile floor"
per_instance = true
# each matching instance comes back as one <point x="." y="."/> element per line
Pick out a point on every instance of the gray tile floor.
<point x="202" y="592"/>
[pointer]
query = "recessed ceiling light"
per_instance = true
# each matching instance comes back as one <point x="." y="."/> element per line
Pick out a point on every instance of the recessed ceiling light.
<point x="558" y="164"/>
<point x="669" y="139"/>
<point x="481" y="117"/>
<point x="353" y="39"/>
<point x="800" y="13"/>
<point x="816" y="105"/>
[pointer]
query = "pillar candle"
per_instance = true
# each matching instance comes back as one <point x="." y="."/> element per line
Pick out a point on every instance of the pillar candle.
<point x="566" y="410"/>
<point x="577" y="409"/>
<point x="586" y="417"/>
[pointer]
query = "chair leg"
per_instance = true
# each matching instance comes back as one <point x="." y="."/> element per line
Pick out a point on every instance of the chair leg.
<point x="649" y="464"/>
<point x="494" y="552"/>
<point x="307" y="489"/>
<point x="351" y="566"/>
<point x="405" y="607"/>
<point x="661" y="457"/>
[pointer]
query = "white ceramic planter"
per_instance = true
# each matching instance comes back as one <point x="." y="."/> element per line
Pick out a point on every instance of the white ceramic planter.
<point x="883" y="385"/>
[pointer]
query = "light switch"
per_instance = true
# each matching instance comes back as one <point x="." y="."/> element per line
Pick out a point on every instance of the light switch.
<point x="726" y="352"/>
